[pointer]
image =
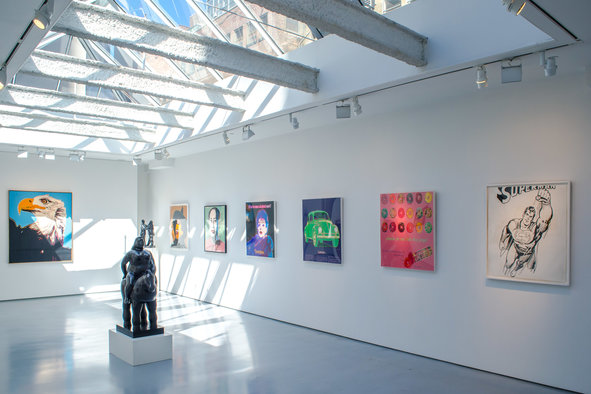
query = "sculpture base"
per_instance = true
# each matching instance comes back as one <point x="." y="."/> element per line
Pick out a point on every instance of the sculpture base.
<point x="139" y="334"/>
<point x="138" y="351"/>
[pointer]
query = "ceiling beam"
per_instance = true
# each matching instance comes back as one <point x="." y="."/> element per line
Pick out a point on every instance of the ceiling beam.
<point x="355" y="23"/>
<point x="50" y="100"/>
<point x="90" y="72"/>
<point x="103" y="25"/>
<point x="87" y="128"/>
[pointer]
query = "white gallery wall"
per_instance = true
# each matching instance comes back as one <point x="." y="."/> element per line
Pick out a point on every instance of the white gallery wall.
<point x="104" y="204"/>
<point x="530" y="131"/>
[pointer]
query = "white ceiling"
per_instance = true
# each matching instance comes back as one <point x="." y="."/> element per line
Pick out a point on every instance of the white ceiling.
<point x="572" y="15"/>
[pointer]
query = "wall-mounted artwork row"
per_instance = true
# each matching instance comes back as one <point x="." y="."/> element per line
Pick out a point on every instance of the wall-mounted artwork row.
<point x="260" y="228"/>
<point x="528" y="232"/>
<point x="215" y="228"/>
<point x="179" y="226"/>
<point x="407" y="230"/>
<point x="322" y="229"/>
<point x="40" y="226"/>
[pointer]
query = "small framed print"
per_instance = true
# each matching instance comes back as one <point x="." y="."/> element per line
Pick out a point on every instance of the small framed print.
<point x="215" y="228"/>
<point x="179" y="226"/>
<point x="260" y="228"/>
<point x="407" y="230"/>
<point x="322" y="229"/>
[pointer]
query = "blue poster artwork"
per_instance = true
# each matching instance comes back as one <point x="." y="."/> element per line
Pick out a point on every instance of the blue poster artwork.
<point x="39" y="226"/>
<point x="322" y="229"/>
<point x="260" y="228"/>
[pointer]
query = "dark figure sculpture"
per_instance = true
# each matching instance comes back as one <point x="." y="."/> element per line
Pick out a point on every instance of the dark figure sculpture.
<point x="150" y="243"/>
<point x="139" y="288"/>
<point x="143" y="228"/>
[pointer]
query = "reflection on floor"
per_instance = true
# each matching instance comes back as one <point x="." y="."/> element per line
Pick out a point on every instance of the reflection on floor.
<point x="60" y="345"/>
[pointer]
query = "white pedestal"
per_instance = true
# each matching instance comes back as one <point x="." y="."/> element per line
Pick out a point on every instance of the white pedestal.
<point x="138" y="351"/>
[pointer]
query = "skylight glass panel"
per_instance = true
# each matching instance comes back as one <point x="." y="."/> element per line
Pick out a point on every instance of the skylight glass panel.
<point x="140" y="8"/>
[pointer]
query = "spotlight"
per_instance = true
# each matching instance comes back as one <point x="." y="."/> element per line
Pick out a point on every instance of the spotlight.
<point x="3" y="78"/>
<point x="136" y="161"/>
<point x="294" y="122"/>
<point x="246" y="133"/>
<point x="510" y="74"/>
<point x="550" y="68"/>
<point x="41" y="19"/>
<point x="343" y="110"/>
<point x="77" y="156"/>
<point x="549" y="64"/>
<point x="22" y="153"/>
<point x="481" y="78"/>
<point x="356" y="107"/>
<point x="514" y="6"/>
<point x="50" y="155"/>
<point x="160" y="154"/>
<point x="225" y="137"/>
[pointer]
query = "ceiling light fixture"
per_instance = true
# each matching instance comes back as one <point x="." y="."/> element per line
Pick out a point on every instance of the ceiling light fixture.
<point x="3" y="78"/>
<point x="343" y="110"/>
<point x="160" y="154"/>
<point x="225" y="137"/>
<point x="510" y="73"/>
<point x="514" y="6"/>
<point x="356" y="107"/>
<point x="247" y="133"/>
<point x="77" y="156"/>
<point x="295" y="124"/>
<point x="481" y="78"/>
<point x="43" y="15"/>
<point x="22" y="153"/>
<point x="549" y="64"/>
<point x="41" y="19"/>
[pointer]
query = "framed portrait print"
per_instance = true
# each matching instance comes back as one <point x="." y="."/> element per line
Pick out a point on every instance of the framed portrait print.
<point x="528" y="232"/>
<point x="260" y="229"/>
<point x="407" y="230"/>
<point x="322" y="229"/>
<point x="40" y="226"/>
<point x="215" y="228"/>
<point x="179" y="226"/>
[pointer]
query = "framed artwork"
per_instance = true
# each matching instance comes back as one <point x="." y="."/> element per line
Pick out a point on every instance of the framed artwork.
<point x="407" y="230"/>
<point x="40" y="226"/>
<point x="215" y="228"/>
<point x="322" y="229"/>
<point x="179" y="226"/>
<point x="260" y="228"/>
<point x="528" y="231"/>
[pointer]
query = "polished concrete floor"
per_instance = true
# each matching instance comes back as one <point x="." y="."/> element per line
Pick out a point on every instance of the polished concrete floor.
<point x="60" y="345"/>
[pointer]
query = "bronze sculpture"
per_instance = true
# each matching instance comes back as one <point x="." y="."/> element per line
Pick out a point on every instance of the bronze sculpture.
<point x="139" y="289"/>
<point x="150" y="227"/>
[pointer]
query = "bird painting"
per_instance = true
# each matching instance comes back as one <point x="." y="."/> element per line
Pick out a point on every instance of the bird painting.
<point x="47" y="236"/>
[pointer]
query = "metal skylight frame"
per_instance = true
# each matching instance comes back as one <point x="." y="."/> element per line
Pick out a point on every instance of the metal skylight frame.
<point x="100" y="24"/>
<point x="169" y="21"/>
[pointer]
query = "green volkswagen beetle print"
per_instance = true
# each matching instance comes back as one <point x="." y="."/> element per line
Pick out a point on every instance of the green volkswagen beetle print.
<point x="320" y="229"/>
